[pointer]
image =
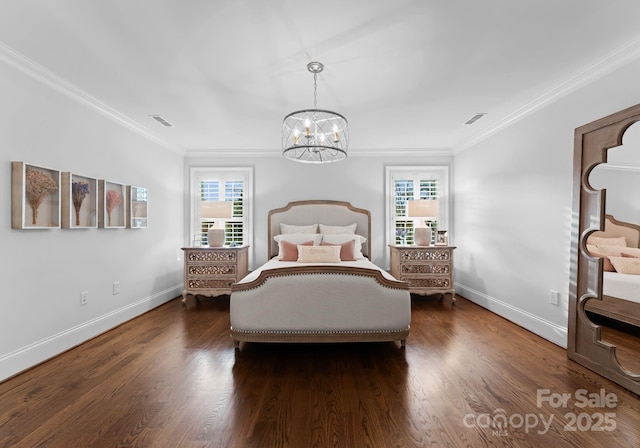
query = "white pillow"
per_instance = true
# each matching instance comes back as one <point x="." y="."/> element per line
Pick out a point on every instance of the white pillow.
<point x="343" y="238"/>
<point x="333" y="230"/>
<point x="297" y="238"/>
<point x="290" y="228"/>
<point x="319" y="254"/>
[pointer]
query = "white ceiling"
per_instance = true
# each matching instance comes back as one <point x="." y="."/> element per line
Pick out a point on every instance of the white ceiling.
<point x="406" y="73"/>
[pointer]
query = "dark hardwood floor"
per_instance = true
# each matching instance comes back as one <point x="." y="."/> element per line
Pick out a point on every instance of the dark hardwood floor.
<point x="171" y="378"/>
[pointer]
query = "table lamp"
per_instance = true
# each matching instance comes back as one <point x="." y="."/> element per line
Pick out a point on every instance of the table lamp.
<point x="219" y="211"/>
<point x="426" y="209"/>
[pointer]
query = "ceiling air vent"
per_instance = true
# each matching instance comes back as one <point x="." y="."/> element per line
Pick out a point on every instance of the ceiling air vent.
<point x="161" y="120"/>
<point x="475" y="118"/>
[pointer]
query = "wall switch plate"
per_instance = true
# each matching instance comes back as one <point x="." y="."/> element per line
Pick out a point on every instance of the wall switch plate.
<point x="554" y="297"/>
<point x="84" y="297"/>
<point x="116" y="288"/>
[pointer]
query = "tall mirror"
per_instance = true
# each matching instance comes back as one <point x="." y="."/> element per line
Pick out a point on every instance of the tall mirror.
<point x="618" y="313"/>
<point x="604" y="306"/>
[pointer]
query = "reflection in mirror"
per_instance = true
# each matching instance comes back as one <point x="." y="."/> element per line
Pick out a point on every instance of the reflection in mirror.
<point x="618" y="245"/>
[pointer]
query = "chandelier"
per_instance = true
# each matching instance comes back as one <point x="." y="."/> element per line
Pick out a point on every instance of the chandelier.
<point x="315" y="135"/>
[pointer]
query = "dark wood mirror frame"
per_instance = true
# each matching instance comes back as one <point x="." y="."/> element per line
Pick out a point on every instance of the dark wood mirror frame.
<point x="585" y="346"/>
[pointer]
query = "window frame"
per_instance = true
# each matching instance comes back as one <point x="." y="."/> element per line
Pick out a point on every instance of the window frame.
<point x="199" y="174"/>
<point x="415" y="172"/>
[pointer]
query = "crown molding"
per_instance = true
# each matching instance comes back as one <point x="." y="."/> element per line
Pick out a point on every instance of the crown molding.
<point x="609" y="64"/>
<point x="271" y="153"/>
<point x="36" y="71"/>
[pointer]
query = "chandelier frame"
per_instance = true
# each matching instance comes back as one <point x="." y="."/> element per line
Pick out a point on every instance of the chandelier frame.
<point x="315" y="135"/>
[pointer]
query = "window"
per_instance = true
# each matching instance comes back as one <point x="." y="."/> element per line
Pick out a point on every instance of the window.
<point x="415" y="182"/>
<point x="222" y="184"/>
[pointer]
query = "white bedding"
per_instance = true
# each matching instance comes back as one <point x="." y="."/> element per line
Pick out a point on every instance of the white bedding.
<point x="320" y="302"/>
<point x="622" y="286"/>
<point x="274" y="263"/>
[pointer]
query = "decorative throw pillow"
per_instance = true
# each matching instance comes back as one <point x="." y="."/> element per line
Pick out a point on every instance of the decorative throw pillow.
<point x="289" y="250"/>
<point x="291" y="228"/>
<point x="630" y="251"/>
<point x="607" y="250"/>
<point x="318" y="254"/>
<point x="343" y="238"/>
<point x="333" y="230"/>
<point x="607" y="241"/>
<point x="626" y="265"/>
<point x="604" y="253"/>
<point x="347" y="250"/>
<point x="297" y="238"/>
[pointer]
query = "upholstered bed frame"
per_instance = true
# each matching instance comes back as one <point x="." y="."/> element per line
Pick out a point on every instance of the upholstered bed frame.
<point x="315" y="303"/>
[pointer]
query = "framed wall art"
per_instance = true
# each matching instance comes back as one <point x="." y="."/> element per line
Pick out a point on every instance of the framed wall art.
<point x="35" y="197"/>
<point x="79" y="201"/>
<point x="112" y="207"/>
<point x="137" y="200"/>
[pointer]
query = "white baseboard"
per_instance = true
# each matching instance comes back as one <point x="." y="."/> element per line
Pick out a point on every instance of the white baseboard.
<point x="33" y="354"/>
<point x="533" y="323"/>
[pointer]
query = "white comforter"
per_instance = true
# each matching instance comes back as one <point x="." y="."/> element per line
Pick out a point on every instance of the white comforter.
<point x="622" y="286"/>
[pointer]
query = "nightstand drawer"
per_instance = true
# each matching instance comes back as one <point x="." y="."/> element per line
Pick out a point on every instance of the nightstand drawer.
<point x="211" y="255"/>
<point x="431" y="282"/>
<point x="425" y="254"/>
<point x="425" y="268"/>
<point x="194" y="284"/>
<point x="211" y="269"/>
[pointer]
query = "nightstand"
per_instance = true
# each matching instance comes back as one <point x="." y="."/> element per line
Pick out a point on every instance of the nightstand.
<point x="427" y="269"/>
<point x="210" y="271"/>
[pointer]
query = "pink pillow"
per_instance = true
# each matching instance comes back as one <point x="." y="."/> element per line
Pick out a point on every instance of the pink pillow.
<point x="347" y="250"/>
<point x="290" y="250"/>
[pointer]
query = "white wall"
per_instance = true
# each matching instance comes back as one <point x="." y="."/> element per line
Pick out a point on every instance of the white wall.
<point x="44" y="271"/>
<point x="277" y="181"/>
<point x="512" y="194"/>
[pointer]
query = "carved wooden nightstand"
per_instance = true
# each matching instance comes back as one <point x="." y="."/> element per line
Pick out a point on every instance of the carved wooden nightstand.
<point x="210" y="271"/>
<point x="427" y="269"/>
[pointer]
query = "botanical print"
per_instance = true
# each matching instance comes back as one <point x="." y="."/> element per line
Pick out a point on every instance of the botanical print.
<point x="38" y="186"/>
<point x="113" y="199"/>
<point x="79" y="190"/>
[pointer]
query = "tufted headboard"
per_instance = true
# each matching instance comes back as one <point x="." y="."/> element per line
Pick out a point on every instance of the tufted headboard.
<point x="333" y="213"/>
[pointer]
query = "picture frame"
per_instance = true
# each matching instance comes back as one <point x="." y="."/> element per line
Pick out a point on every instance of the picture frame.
<point x="137" y="201"/>
<point x="79" y="201"/>
<point x="35" y="196"/>
<point x="112" y="205"/>
<point x="442" y="238"/>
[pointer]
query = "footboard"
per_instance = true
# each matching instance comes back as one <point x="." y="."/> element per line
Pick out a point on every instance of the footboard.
<point x="320" y="304"/>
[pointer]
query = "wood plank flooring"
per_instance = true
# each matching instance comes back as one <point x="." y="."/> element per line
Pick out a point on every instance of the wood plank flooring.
<point x="171" y="378"/>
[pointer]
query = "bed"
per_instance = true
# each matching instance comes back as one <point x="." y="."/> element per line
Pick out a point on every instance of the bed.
<point x="620" y="290"/>
<point x="319" y="301"/>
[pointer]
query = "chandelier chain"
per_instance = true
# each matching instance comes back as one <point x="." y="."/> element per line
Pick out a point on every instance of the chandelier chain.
<point x="315" y="90"/>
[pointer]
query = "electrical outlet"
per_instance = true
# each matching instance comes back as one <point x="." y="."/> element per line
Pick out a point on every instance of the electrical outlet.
<point x="554" y="297"/>
<point x="116" y="288"/>
<point x="83" y="297"/>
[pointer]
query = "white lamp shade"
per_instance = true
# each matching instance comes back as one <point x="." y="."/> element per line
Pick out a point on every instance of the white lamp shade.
<point x="216" y="209"/>
<point x="422" y="208"/>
